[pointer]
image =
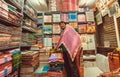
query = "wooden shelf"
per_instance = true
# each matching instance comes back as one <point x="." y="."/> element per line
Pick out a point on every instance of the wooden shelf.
<point x="48" y="22"/>
<point x="25" y="45"/>
<point x="81" y="12"/>
<point x="69" y="11"/>
<point x="48" y="34"/>
<point x="29" y="29"/>
<point x="82" y="22"/>
<point x="87" y="33"/>
<point x="29" y="16"/>
<point x="105" y="47"/>
<point x="55" y="22"/>
<point x="56" y="34"/>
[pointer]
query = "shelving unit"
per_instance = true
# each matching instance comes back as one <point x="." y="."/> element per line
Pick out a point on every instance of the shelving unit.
<point x="7" y="22"/>
<point x="27" y="15"/>
<point x="10" y="30"/>
<point x="86" y="29"/>
<point x="29" y="26"/>
<point x="29" y="39"/>
<point x="48" y="16"/>
<point x="79" y="20"/>
<point x="16" y="4"/>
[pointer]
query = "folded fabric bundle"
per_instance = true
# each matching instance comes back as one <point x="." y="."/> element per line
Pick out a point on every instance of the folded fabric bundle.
<point x="16" y="56"/>
<point x="5" y="58"/>
<point x="43" y="71"/>
<point x="56" y="63"/>
<point x="55" y="69"/>
<point x="56" y="66"/>
<point x="14" y="74"/>
<point x="14" y="51"/>
<point x="5" y="69"/>
<point x="56" y="57"/>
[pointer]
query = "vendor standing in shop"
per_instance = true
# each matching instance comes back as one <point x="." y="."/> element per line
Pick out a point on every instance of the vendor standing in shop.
<point x="71" y="47"/>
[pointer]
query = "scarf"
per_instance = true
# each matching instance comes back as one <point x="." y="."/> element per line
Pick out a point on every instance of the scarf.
<point x="71" y="40"/>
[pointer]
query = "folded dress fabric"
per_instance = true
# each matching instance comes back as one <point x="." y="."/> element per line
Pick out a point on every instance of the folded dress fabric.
<point x="5" y="58"/>
<point x="56" y="57"/>
<point x="5" y="69"/>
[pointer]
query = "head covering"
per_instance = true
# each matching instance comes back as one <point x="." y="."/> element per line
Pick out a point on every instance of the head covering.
<point x="71" y="40"/>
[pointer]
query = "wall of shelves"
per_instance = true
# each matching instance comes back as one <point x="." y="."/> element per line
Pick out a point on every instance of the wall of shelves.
<point x="82" y="22"/>
<point x="30" y="58"/>
<point x="10" y="36"/>
<point x="29" y="25"/>
<point x="18" y="29"/>
<point x="10" y="26"/>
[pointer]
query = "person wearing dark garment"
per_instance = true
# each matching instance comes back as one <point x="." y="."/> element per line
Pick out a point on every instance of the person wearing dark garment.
<point x="71" y="67"/>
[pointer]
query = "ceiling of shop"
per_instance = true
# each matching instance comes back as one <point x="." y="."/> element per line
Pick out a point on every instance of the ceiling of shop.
<point x="43" y="5"/>
<point x="39" y="5"/>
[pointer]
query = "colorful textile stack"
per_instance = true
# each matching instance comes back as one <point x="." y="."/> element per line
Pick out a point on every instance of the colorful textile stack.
<point x="52" y="5"/>
<point x="69" y="5"/>
<point x="5" y="69"/>
<point x="72" y="17"/>
<point x="64" y="17"/>
<point x="16" y="55"/>
<point x="81" y="18"/>
<point x="91" y="28"/>
<point x="55" y="39"/>
<point x="82" y="28"/>
<point x="48" y="18"/>
<point x="3" y="12"/>
<point x="42" y="70"/>
<point x="14" y="74"/>
<point x="47" y="42"/>
<point x="56" y="29"/>
<point x="56" y="62"/>
<point x="5" y="58"/>
<point x="56" y="18"/>
<point x="30" y="61"/>
<point x="47" y="29"/>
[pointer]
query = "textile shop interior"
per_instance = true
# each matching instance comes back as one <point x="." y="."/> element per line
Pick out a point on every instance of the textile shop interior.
<point x="59" y="38"/>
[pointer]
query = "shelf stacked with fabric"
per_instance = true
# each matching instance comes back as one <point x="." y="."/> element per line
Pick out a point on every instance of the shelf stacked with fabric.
<point x="30" y="62"/>
<point x="5" y="64"/>
<point x="56" y="64"/>
<point x="16" y="55"/>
